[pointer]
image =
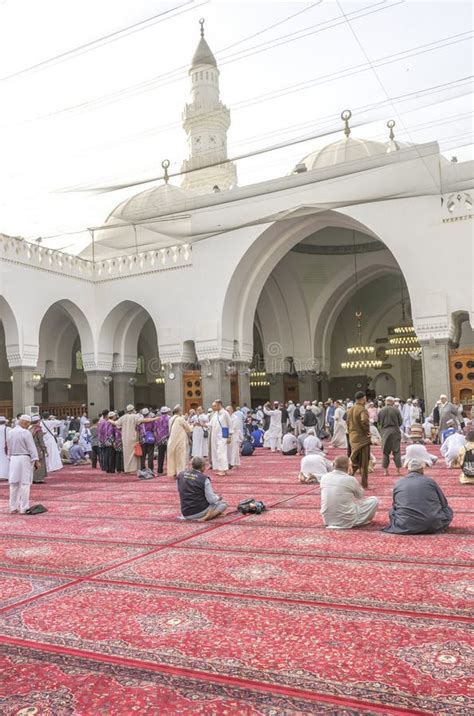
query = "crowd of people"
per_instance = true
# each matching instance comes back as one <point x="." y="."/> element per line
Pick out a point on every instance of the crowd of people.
<point x="147" y="442"/>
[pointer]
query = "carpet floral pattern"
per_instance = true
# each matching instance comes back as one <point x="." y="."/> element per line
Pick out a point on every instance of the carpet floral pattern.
<point x="110" y="605"/>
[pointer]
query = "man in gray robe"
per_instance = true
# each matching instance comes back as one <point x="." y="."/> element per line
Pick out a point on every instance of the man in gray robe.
<point x="389" y="422"/>
<point x="419" y="504"/>
<point x="447" y="411"/>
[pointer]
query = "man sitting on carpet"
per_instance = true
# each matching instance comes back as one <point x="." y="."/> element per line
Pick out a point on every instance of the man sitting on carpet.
<point x="313" y="467"/>
<point x="342" y="503"/>
<point x="198" y="499"/>
<point x="419" y="504"/>
<point x="289" y="444"/>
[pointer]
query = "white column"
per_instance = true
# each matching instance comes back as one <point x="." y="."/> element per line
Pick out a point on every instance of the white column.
<point x="435" y="372"/>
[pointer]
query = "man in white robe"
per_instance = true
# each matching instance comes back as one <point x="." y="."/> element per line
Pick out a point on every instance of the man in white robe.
<point x="220" y="438"/>
<point x="407" y="416"/>
<point x="236" y="437"/>
<point x="128" y="425"/>
<point x="274" y="429"/>
<point x="200" y="425"/>
<point x="53" y="457"/>
<point x="343" y="505"/>
<point x="4" y="459"/>
<point x="23" y="459"/>
<point x="418" y="452"/>
<point x="450" y="449"/>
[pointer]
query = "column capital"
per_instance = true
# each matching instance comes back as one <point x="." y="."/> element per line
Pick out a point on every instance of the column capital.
<point x="434" y="328"/>
<point x="22" y="356"/>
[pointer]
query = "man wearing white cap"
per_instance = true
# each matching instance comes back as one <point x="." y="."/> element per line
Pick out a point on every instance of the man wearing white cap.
<point x="128" y="425"/>
<point x="23" y="458"/>
<point x="4" y="461"/>
<point x="419" y="504"/>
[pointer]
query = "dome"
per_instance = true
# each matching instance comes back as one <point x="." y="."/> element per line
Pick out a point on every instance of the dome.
<point x="147" y="204"/>
<point x="348" y="149"/>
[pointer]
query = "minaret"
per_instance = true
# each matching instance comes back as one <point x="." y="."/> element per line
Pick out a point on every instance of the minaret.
<point x="206" y="121"/>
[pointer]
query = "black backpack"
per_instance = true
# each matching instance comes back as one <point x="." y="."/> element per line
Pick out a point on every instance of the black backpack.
<point x="35" y="510"/>
<point x="251" y="506"/>
<point x="468" y="463"/>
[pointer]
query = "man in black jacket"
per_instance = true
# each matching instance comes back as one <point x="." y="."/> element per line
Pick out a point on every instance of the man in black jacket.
<point x="198" y="499"/>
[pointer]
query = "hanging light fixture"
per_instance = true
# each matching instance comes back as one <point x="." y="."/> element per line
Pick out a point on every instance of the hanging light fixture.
<point x="364" y="355"/>
<point x="402" y="338"/>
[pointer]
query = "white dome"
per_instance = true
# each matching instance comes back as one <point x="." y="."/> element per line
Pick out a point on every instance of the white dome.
<point x="147" y="204"/>
<point x="348" y="149"/>
<point x="393" y="145"/>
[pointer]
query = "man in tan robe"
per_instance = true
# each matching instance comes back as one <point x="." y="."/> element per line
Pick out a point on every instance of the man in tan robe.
<point x="358" y="426"/>
<point x="128" y="425"/>
<point x="178" y="443"/>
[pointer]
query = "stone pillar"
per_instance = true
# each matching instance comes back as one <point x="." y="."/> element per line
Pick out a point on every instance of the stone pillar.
<point x="215" y="382"/>
<point x="435" y="372"/>
<point x="23" y="388"/>
<point x="323" y="387"/>
<point x="98" y="392"/>
<point x="244" y="383"/>
<point x="174" y="389"/>
<point x="277" y="390"/>
<point x="57" y="390"/>
<point x="124" y="392"/>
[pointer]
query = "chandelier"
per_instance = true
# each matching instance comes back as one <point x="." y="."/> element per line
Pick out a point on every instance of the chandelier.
<point x="258" y="378"/>
<point x="364" y="355"/>
<point x="402" y="338"/>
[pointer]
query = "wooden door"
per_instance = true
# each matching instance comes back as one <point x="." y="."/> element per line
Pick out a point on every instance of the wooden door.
<point x="192" y="389"/>
<point x="461" y="371"/>
<point x="291" y="388"/>
<point x="234" y="391"/>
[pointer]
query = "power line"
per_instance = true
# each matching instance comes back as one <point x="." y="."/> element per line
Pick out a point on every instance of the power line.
<point x="317" y="81"/>
<point x="180" y="73"/>
<point x="281" y="145"/>
<point x="106" y="39"/>
<point x="382" y="86"/>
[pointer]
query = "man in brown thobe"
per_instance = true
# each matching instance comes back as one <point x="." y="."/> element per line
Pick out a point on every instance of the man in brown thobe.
<point x="358" y="426"/>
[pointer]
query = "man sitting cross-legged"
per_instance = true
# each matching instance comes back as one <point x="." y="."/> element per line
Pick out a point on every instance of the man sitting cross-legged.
<point x="419" y="504"/>
<point x="198" y="499"/>
<point x="342" y="503"/>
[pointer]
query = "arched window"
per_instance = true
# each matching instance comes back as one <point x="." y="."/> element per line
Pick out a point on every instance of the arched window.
<point x="78" y="361"/>
<point x="140" y="365"/>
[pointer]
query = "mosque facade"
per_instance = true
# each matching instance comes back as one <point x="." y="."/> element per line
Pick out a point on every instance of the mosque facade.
<point x="208" y="289"/>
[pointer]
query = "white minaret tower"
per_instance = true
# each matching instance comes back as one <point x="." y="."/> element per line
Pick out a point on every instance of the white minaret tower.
<point x="206" y="121"/>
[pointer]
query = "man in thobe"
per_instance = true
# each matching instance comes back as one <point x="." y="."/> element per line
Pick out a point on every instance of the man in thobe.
<point x="128" y="425"/>
<point x="417" y="451"/>
<point x="389" y="422"/>
<point x="220" y="437"/>
<point x="407" y="416"/>
<point x="53" y="456"/>
<point x="275" y="431"/>
<point x="450" y="449"/>
<point x="291" y="413"/>
<point x="342" y="499"/>
<point x="358" y="426"/>
<point x="23" y="458"/>
<point x="419" y="504"/>
<point x="36" y="430"/>
<point x="447" y="411"/>
<point x="313" y="467"/>
<point x="4" y="460"/>
<point x="236" y="437"/>
<point x="330" y="410"/>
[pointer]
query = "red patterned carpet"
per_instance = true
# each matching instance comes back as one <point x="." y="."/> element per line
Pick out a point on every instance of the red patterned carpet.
<point x="109" y="605"/>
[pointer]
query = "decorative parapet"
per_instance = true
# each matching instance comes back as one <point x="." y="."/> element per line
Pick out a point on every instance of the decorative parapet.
<point x="20" y="252"/>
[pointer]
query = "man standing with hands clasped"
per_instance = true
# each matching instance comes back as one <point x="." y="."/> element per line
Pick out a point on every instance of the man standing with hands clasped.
<point x="358" y="426"/>
<point x="23" y="459"/>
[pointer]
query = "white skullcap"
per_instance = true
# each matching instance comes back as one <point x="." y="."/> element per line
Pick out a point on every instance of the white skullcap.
<point x="389" y="397"/>
<point x="144" y="411"/>
<point x="34" y="418"/>
<point x="415" y="465"/>
<point x="130" y="408"/>
<point x="164" y="410"/>
<point x="111" y="414"/>
<point x="27" y="418"/>
<point x="3" y="419"/>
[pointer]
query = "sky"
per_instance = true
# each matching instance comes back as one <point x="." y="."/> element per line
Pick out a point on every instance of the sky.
<point x="109" y="113"/>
